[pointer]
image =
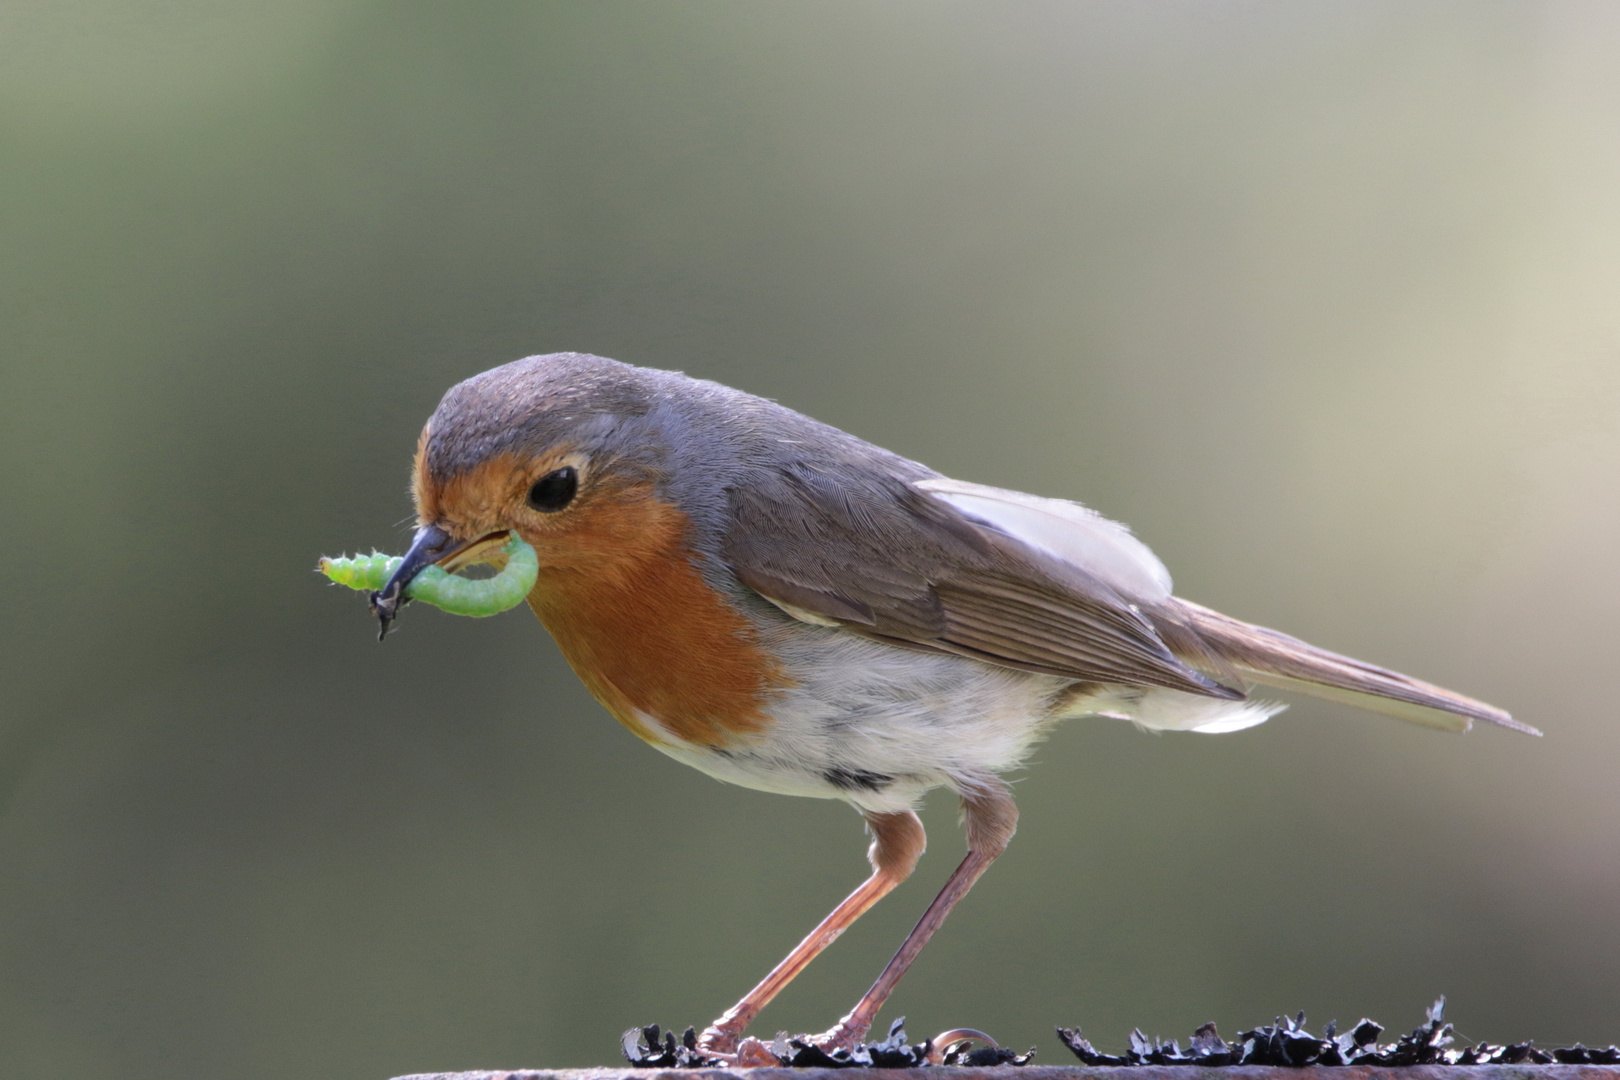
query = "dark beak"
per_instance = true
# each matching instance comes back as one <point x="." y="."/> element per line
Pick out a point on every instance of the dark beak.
<point x="432" y="544"/>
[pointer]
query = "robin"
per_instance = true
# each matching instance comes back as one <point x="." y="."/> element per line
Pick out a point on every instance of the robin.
<point x="787" y="607"/>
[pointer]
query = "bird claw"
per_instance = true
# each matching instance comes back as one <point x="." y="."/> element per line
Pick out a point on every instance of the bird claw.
<point x="717" y="1041"/>
<point x="733" y="1048"/>
<point x="751" y="1052"/>
<point x="726" y="1047"/>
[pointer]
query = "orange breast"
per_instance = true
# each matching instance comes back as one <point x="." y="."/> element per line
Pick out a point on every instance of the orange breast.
<point x="642" y="629"/>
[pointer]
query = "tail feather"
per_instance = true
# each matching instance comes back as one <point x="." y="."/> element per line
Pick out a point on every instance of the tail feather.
<point x="1224" y="646"/>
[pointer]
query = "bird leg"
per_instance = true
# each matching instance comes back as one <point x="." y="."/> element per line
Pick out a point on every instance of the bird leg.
<point x="897" y="843"/>
<point x="991" y="818"/>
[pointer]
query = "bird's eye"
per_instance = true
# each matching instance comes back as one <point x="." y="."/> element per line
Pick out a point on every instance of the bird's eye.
<point x="554" y="490"/>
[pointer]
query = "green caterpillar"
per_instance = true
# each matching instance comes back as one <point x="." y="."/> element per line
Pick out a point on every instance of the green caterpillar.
<point x="457" y="595"/>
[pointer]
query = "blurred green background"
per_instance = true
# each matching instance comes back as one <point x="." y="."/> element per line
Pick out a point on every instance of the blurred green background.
<point x="1321" y="298"/>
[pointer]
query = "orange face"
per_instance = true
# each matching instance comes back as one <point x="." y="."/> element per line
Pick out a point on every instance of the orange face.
<point x="618" y="589"/>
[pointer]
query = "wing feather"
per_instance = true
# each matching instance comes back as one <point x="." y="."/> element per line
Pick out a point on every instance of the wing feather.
<point x="879" y="555"/>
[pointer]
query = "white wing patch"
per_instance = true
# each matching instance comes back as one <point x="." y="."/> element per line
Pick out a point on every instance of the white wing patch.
<point x="1067" y="531"/>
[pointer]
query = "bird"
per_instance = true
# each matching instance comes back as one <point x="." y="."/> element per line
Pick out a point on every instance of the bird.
<point x="787" y="607"/>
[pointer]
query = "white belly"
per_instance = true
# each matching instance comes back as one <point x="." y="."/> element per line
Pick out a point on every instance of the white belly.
<point x="877" y="725"/>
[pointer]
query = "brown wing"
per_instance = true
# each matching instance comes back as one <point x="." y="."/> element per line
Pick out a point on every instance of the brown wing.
<point x="877" y="556"/>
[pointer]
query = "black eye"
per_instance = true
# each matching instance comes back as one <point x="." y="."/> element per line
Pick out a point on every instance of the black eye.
<point x="554" y="490"/>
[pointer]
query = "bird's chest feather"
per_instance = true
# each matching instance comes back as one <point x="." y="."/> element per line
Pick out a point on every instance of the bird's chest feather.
<point x="645" y="632"/>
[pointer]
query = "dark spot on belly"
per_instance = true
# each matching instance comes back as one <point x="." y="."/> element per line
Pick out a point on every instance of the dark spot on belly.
<point x="856" y="779"/>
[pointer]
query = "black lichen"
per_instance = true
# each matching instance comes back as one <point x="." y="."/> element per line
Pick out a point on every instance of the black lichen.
<point x="650" y="1048"/>
<point x="1286" y="1043"/>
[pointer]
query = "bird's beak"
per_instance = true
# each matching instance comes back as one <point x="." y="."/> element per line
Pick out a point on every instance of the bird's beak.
<point x="432" y="546"/>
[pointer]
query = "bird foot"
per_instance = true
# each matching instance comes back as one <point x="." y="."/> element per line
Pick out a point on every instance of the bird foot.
<point x="717" y="1041"/>
<point x="752" y="1052"/>
<point x="720" y="1041"/>
<point x="725" y="1046"/>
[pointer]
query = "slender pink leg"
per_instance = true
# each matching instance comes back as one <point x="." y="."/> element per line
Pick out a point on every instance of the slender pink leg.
<point x="991" y="818"/>
<point x="897" y="843"/>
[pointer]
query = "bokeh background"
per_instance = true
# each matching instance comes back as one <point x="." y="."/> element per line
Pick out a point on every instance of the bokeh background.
<point x="1323" y="299"/>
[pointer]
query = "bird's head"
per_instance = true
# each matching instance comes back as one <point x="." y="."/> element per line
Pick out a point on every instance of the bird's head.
<point x="561" y="450"/>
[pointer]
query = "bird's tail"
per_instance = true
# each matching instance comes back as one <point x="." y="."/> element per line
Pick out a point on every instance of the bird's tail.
<point x="1225" y="647"/>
